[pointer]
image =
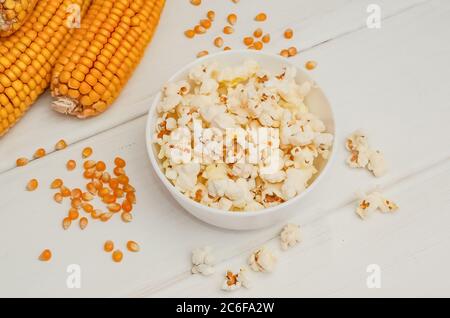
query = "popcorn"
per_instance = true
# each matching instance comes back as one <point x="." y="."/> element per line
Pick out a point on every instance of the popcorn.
<point x="187" y="176"/>
<point x="289" y="236"/>
<point x="361" y="156"/>
<point x="262" y="260"/>
<point x="296" y="181"/>
<point x="246" y="172"/>
<point x="377" y="163"/>
<point x="372" y="202"/>
<point x="203" y="261"/>
<point x="236" y="281"/>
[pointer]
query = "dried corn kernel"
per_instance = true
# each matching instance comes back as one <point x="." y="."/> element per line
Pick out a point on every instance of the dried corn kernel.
<point x="32" y="185"/>
<point x="87" y="207"/>
<point x="261" y="17"/>
<point x="201" y="54"/>
<point x="119" y="162"/>
<point x="87" y="196"/>
<point x="105" y="177"/>
<point x="56" y="184"/>
<point x="105" y="216"/>
<point x="126" y="217"/>
<point x="45" y="256"/>
<point x="66" y="223"/>
<point x="132" y="246"/>
<point x="198" y="29"/>
<point x="60" y="145"/>
<point x="73" y="214"/>
<point x="39" y="153"/>
<point x="218" y="42"/>
<point x="114" y="207"/>
<point x="109" y="198"/>
<point x="108" y="246"/>
<point x="258" y="33"/>
<point x="248" y="40"/>
<point x="205" y="23"/>
<point x="76" y="193"/>
<point x="128" y="187"/>
<point x="87" y="152"/>
<point x="189" y="33"/>
<point x="65" y="192"/>
<point x="310" y="65"/>
<point x="196" y="2"/>
<point x="288" y="33"/>
<point x="131" y="197"/>
<point x="100" y="166"/>
<point x="284" y="53"/>
<point x="211" y="15"/>
<point x="258" y="45"/>
<point x="91" y="188"/>
<point x="123" y="179"/>
<point x="127" y="206"/>
<point x="76" y="203"/>
<point x="20" y="162"/>
<point x="113" y="183"/>
<point x="292" y="51"/>
<point x="117" y="256"/>
<point x="228" y="30"/>
<point x="118" y="171"/>
<point x="88" y="164"/>
<point x="96" y="214"/>
<point x="266" y="38"/>
<point x="71" y="165"/>
<point x="103" y="191"/>
<point x="83" y="223"/>
<point x="58" y="197"/>
<point x="119" y="193"/>
<point x="232" y="19"/>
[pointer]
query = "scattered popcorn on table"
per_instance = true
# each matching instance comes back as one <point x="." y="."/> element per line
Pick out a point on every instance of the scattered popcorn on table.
<point x="203" y="261"/>
<point x="262" y="260"/>
<point x="372" y="202"/>
<point x="236" y="281"/>
<point x="289" y="236"/>
<point x="361" y="156"/>
<point x="194" y="145"/>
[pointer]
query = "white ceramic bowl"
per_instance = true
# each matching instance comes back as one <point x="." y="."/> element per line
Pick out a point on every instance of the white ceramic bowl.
<point x="317" y="103"/>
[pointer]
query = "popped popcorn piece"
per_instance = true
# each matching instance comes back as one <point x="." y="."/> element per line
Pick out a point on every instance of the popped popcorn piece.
<point x="377" y="163"/>
<point x="203" y="261"/>
<point x="236" y="281"/>
<point x="187" y="176"/>
<point x="262" y="260"/>
<point x="372" y="202"/>
<point x="362" y="156"/>
<point x="289" y="236"/>
<point x="296" y="181"/>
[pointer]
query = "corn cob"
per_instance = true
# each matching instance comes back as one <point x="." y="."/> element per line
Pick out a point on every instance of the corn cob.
<point x="27" y="57"/>
<point x="13" y="14"/>
<point x="102" y="55"/>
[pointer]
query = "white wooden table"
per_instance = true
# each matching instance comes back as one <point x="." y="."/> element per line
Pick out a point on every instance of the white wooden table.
<point x="394" y="82"/>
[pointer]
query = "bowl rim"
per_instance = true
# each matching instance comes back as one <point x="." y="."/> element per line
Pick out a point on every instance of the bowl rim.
<point x="240" y="214"/>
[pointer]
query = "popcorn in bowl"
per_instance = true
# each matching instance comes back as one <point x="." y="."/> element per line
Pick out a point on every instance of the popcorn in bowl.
<point x="239" y="138"/>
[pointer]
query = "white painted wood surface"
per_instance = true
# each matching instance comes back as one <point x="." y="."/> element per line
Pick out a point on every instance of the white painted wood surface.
<point x="391" y="81"/>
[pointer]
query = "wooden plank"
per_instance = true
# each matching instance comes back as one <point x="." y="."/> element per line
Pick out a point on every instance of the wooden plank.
<point x="170" y="50"/>
<point x="366" y="65"/>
